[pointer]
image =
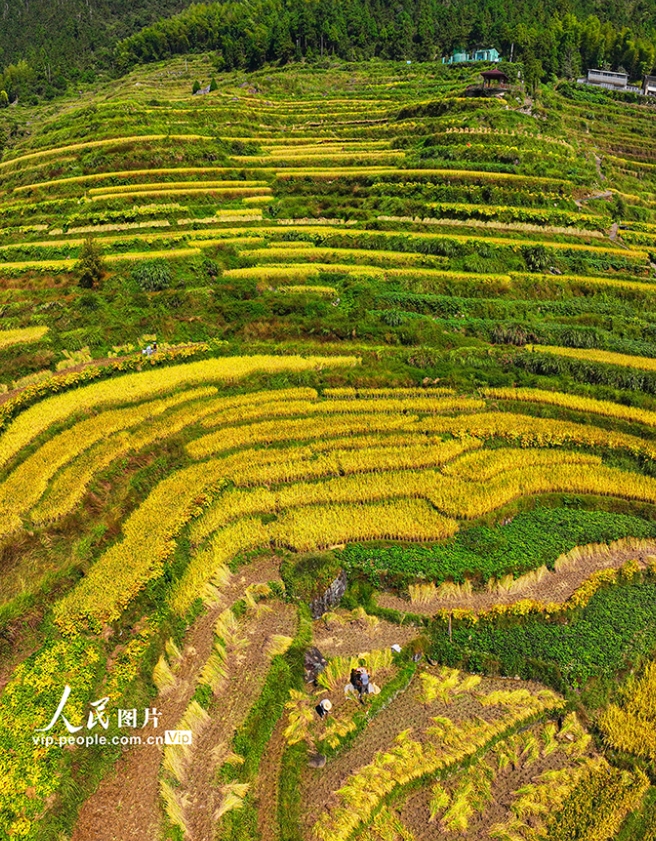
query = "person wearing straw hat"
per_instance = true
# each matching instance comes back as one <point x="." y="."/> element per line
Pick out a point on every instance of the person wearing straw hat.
<point x="324" y="707"/>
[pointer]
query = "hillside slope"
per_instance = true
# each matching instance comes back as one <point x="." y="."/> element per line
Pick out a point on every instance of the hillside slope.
<point x="370" y="319"/>
<point x="73" y="33"/>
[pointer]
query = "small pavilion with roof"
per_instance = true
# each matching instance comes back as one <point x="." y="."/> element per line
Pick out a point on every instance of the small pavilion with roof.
<point x="494" y="78"/>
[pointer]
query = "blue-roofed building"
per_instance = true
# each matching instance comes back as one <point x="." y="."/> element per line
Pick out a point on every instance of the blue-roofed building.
<point x="462" y="57"/>
<point x="486" y="55"/>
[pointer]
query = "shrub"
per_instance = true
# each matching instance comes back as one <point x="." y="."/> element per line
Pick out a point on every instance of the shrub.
<point x="153" y="275"/>
<point x="196" y="87"/>
<point x="535" y="257"/>
<point x="90" y="266"/>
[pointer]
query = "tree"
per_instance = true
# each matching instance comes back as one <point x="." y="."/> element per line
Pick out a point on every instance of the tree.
<point x="533" y="72"/>
<point x="90" y="266"/>
<point x="196" y="87"/>
<point x="4" y="99"/>
<point x="213" y="84"/>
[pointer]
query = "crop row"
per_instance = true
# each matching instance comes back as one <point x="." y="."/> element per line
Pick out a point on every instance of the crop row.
<point x="602" y="357"/>
<point x="31" y="478"/>
<point x="447" y="746"/>
<point x="121" y="175"/>
<point x="576" y="403"/>
<point x="630" y="726"/>
<point x="142" y="385"/>
<point x="22" y="335"/>
<point x="95" y="144"/>
<point x="171" y="185"/>
<point x="130" y="564"/>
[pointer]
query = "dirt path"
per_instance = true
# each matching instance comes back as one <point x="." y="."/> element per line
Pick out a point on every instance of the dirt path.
<point x="248" y="665"/>
<point x="268" y="781"/>
<point x="554" y="587"/>
<point x="125" y="806"/>
<point x="608" y="194"/>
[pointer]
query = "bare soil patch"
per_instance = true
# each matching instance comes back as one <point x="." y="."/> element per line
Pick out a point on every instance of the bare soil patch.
<point x="403" y="713"/>
<point x="334" y="639"/>
<point x="554" y="587"/>
<point x="248" y="667"/>
<point x="125" y="806"/>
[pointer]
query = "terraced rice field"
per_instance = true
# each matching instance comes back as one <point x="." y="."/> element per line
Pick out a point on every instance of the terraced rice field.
<point x="357" y="330"/>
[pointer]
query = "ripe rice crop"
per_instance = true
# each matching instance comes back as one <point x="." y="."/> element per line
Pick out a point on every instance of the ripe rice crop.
<point x="630" y="727"/>
<point x="446" y="746"/>
<point x="204" y="566"/>
<point x="139" y="386"/>
<point x="148" y="541"/>
<point x="603" y="357"/>
<point x="22" y="335"/>
<point x="276" y="254"/>
<point x="95" y="144"/>
<point x="605" y="408"/>
<point x="120" y="226"/>
<point x="267" y="432"/>
<point x="321" y="526"/>
<point x="238" y="465"/>
<point x="373" y="393"/>
<point x="169" y="254"/>
<point x="28" y="482"/>
<point x="70" y="484"/>
<point x="424" y="404"/>
<point x="327" y="291"/>
<point x="171" y="185"/>
<point x="38" y="266"/>
<point x="360" y="460"/>
<point x="485" y="464"/>
<point x="295" y="270"/>
<point x="126" y="173"/>
<point x="468" y="500"/>
<point x="540" y="432"/>
<point x="224" y="192"/>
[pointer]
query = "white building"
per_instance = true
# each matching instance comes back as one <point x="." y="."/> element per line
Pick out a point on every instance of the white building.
<point x="610" y="80"/>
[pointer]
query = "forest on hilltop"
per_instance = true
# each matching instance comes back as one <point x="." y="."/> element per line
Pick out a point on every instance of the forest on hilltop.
<point x="557" y="38"/>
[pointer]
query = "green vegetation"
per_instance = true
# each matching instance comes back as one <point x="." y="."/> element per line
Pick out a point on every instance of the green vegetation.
<point x="615" y="631"/>
<point x="400" y="248"/>
<point x="531" y="539"/>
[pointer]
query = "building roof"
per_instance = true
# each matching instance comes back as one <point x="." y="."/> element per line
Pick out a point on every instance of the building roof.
<point x="495" y="74"/>
<point x="613" y="74"/>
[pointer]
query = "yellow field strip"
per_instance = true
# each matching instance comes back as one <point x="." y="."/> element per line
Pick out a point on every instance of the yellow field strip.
<point x="273" y="160"/>
<point x="353" y="232"/>
<point x="223" y="191"/>
<point x="439" y="173"/>
<point x="298" y="270"/>
<point x="170" y="253"/>
<point x="173" y="185"/>
<point x="604" y="357"/>
<point x="126" y="173"/>
<point x="575" y="402"/>
<point x="95" y="144"/>
<point x="38" y="265"/>
<point x="591" y="280"/>
<point x="22" y="335"/>
<point x="131" y="388"/>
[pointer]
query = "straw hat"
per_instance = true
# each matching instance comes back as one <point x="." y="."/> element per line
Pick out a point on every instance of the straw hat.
<point x="327" y="704"/>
